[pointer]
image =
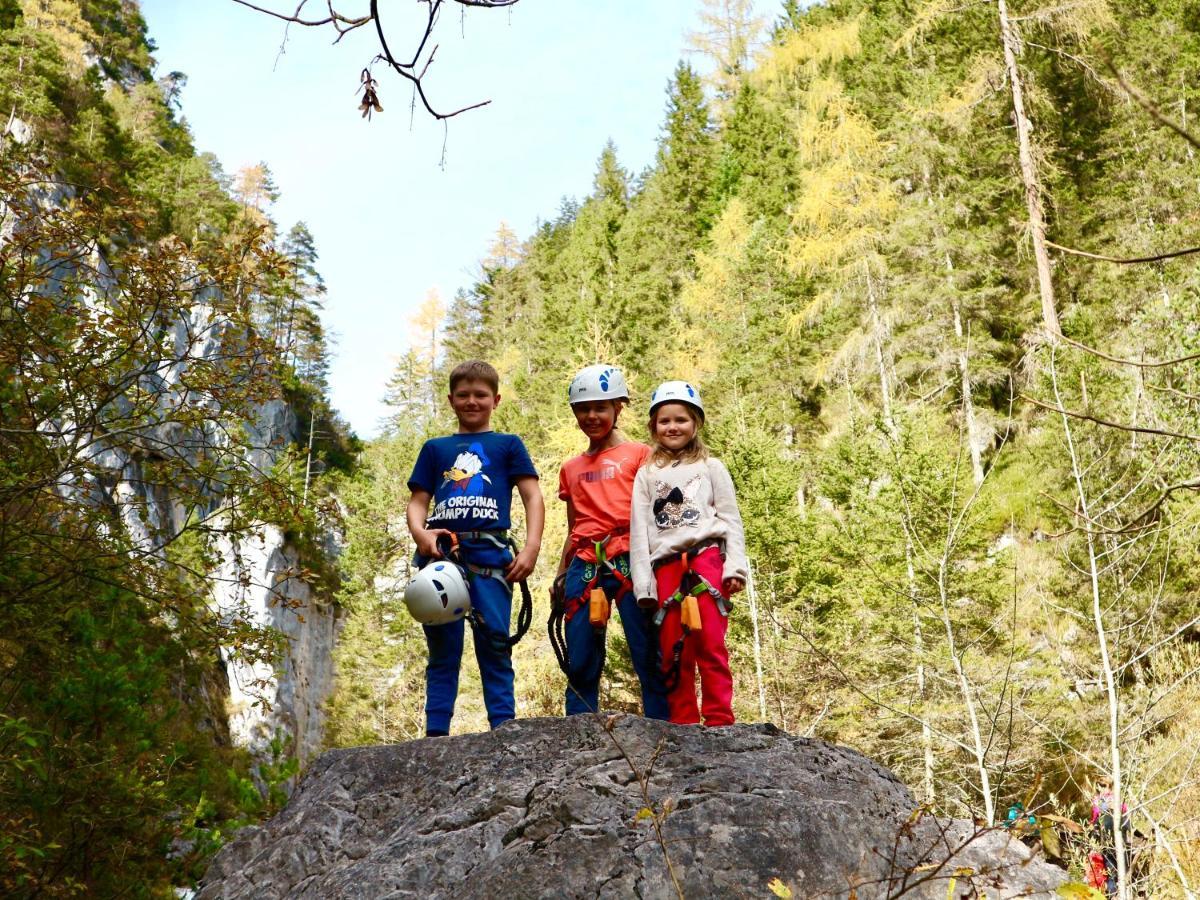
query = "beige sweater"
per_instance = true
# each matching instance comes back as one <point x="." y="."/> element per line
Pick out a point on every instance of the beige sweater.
<point x="678" y="506"/>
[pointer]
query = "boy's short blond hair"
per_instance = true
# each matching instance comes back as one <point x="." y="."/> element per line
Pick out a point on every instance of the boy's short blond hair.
<point x="475" y="370"/>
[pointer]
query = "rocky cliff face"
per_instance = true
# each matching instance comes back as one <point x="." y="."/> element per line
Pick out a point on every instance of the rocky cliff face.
<point x="258" y="578"/>
<point x="259" y="575"/>
<point x="553" y="808"/>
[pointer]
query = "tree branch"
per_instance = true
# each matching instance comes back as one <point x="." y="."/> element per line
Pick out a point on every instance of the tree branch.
<point x="1123" y="261"/>
<point x="407" y="70"/>
<point x="1147" y="104"/>
<point x="1139" y="363"/>
<point x="1157" y="114"/>
<point x="1107" y="424"/>
<point x="1151" y="512"/>
<point x="334" y="18"/>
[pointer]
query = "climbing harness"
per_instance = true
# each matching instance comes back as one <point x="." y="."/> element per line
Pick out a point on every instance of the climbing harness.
<point x="599" y="607"/>
<point x="562" y="610"/>
<point x="451" y="550"/>
<point x="692" y="585"/>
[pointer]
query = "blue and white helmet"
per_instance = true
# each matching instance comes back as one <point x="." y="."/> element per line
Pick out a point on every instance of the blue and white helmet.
<point x="438" y="594"/>
<point x="598" y="382"/>
<point x="677" y="392"/>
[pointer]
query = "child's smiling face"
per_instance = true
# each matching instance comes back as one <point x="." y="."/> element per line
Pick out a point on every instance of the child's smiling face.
<point x="473" y="403"/>
<point x="674" y="426"/>
<point x="596" y="418"/>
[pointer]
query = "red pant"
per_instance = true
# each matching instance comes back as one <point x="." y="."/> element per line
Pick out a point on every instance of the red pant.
<point x="703" y="649"/>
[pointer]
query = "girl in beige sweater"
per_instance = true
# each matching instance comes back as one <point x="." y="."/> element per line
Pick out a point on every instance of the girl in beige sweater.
<point x="687" y="554"/>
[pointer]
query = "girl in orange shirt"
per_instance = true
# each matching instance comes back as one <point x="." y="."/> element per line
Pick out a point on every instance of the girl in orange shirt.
<point x="593" y="572"/>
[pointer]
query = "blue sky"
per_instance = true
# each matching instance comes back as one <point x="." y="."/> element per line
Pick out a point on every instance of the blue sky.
<point x="390" y="222"/>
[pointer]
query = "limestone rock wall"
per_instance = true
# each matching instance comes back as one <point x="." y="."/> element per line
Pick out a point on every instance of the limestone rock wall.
<point x="258" y="576"/>
<point x="259" y="580"/>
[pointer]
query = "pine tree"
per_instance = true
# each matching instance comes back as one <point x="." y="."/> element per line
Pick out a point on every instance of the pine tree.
<point x="666" y="222"/>
<point x="302" y="334"/>
<point x="505" y="249"/>
<point x="1072" y="22"/>
<point x="63" y="21"/>
<point x="414" y="388"/>
<point x="845" y="207"/>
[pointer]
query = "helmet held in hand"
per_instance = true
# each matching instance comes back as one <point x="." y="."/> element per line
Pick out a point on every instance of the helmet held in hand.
<point x="438" y="594"/>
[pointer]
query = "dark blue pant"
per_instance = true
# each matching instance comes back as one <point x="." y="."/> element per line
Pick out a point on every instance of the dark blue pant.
<point x="583" y="690"/>
<point x="493" y="598"/>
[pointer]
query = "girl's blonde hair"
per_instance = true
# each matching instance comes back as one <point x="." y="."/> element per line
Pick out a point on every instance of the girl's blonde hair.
<point x="693" y="451"/>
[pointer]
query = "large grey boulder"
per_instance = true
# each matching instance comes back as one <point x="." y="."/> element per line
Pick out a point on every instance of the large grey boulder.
<point x="551" y="808"/>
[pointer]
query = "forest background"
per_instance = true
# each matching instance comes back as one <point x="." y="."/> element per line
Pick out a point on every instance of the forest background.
<point x="966" y="454"/>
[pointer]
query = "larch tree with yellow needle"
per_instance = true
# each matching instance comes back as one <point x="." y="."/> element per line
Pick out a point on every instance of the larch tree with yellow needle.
<point x="728" y="33"/>
<point x="845" y="207"/>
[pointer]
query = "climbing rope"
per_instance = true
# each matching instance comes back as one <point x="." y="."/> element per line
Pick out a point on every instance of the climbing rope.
<point x="499" y="641"/>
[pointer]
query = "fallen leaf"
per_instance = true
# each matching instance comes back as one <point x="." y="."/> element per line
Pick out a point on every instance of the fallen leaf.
<point x="1070" y="824"/>
<point x="779" y="889"/>
<point x="1050" y="840"/>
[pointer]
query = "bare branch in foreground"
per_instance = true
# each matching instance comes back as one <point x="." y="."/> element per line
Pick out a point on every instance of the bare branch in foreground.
<point x="1147" y="104"/>
<point x="413" y="70"/>
<point x="1139" y="363"/>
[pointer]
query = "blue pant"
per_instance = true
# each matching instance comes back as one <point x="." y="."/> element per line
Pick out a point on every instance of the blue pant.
<point x="493" y="598"/>
<point x="583" y="690"/>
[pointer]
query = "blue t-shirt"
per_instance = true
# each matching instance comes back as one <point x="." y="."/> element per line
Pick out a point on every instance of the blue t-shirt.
<point x="471" y="477"/>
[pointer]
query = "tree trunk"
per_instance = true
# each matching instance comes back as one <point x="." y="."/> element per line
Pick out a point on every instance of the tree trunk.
<point x="1106" y="662"/>
<point x="1033" y="189"/>
<point x="752" y="594"/>
<point x="885" y="394"/>
<point x="919" y="652"/>
<point x="974" y="444"/>
<point x="312" y="426"/>
<point x="968" y="695"/>
<point x="964" y="371"/>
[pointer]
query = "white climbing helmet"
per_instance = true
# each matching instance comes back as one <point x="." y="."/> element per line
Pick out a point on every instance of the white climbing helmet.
<point x="598" y="382"/>
<point x="438" y="594"/>
<point x="677" y="392"/>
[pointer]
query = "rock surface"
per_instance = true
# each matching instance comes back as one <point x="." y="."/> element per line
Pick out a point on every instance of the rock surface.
<point x="550" y="808"/>
<point x="259" y="579"/>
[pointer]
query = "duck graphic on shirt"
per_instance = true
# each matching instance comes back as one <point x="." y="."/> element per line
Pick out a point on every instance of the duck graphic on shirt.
<point x="465" y="475"/>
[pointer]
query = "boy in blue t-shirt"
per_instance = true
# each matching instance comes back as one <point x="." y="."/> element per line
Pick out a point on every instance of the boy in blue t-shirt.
<point x="469" y="477"/>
